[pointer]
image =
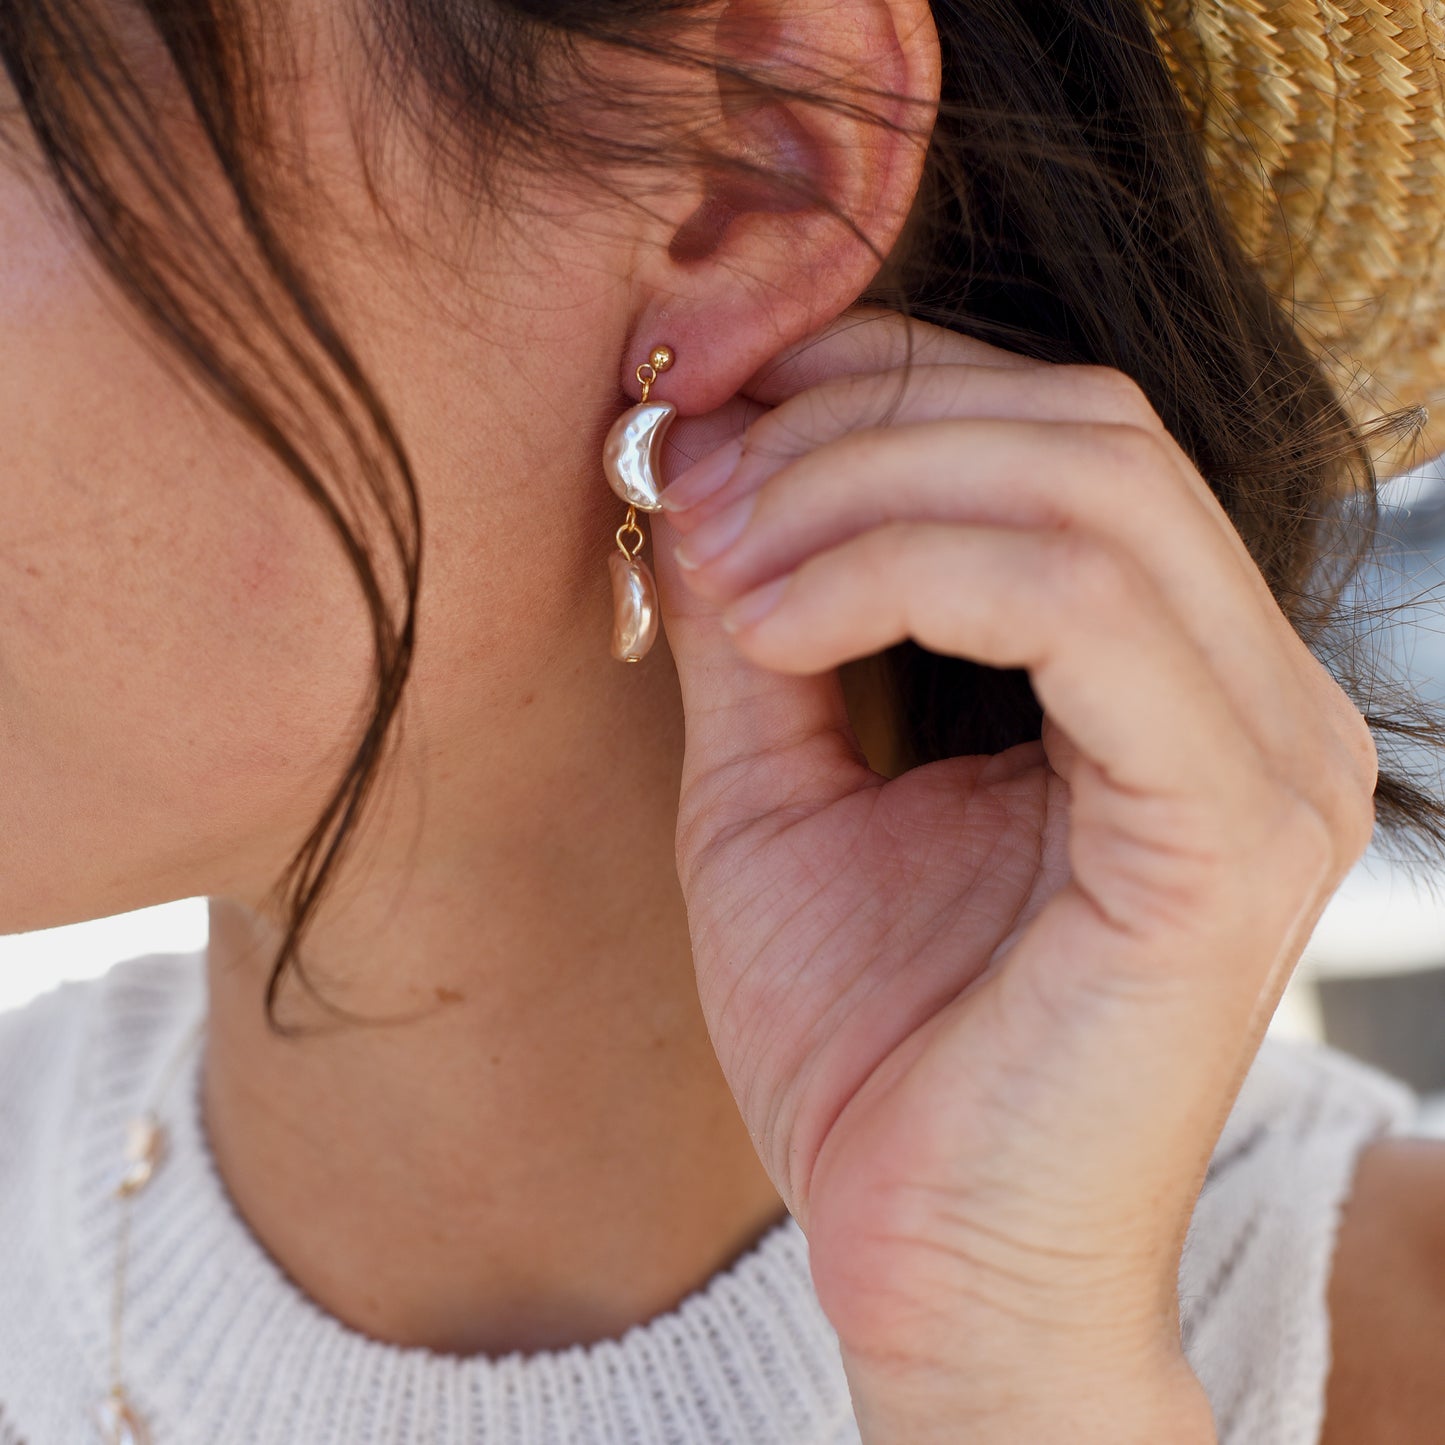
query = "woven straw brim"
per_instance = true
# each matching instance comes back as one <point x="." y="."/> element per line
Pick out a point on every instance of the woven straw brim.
<point x="1324" y="125"/>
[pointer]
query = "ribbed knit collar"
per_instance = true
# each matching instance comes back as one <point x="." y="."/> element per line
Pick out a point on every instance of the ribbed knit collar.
<point x="221" y="1347"/>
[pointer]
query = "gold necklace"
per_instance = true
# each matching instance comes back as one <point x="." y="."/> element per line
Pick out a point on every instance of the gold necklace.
<point x="145" y="1146"/>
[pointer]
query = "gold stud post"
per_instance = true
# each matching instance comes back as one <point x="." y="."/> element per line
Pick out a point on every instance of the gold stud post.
<point x="658" y="362"/>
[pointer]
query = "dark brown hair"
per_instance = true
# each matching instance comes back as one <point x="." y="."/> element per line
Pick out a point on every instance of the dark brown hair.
<point x="1048" y="111"/>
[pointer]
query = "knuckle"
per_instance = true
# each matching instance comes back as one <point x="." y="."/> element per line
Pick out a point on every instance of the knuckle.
<point x="1360" y="828"/>
<point x="1351" y="728"/>
<point x="1353" y="808"/>
<point x="827" y="411"/>
<point x="1355" y="791"/>
<point x="832" y="408"/>
<point x="1115" y="394"/>
<point x="1300" y="837"/>
<point x="1124" y="450"/>
<point x="1360" y="741"/>
<point x="1088" y="576"/>
<point x="780" y="434"/>
<point x="1353" y="772"/>
<point x="888" y="547"/>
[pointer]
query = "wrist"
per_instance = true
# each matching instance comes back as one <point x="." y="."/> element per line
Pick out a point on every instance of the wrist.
<point x="1041" y="1406"/>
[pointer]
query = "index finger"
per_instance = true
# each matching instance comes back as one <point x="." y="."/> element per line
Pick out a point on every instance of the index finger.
<point x="863" y="339"/>
<point x="870" y="338"/>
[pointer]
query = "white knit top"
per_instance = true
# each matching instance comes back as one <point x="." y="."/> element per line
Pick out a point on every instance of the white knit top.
<point x="221" y="1348"/>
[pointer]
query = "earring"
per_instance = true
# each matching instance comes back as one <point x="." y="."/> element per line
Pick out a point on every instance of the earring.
<point x="630" y="457"/>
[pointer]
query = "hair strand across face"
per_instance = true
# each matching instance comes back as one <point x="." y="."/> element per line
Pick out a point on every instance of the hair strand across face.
<point x="1066" y="212"/>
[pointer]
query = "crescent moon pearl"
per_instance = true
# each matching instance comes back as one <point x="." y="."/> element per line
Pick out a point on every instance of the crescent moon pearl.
<point x="631" y="453"/>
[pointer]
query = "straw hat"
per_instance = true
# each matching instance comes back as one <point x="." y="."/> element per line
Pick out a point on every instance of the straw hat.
<point x="1324" y="124"/>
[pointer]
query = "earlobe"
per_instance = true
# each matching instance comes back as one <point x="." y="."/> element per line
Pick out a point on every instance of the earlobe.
<point x="760" y="261"/>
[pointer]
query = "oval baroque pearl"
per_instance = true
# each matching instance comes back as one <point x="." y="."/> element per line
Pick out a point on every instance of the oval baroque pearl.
<point x="119" y="1424"/>
<point x="634" y="607"/>
<point x="630" y="455"/>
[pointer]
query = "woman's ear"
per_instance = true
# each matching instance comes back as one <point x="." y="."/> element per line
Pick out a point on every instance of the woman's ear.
<point x="754" y="266"/>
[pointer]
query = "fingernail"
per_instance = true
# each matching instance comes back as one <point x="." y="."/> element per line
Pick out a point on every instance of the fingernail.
<point x="755" y="605"/>
<point x="715" y="535"/>
<point x="702" y="478"/>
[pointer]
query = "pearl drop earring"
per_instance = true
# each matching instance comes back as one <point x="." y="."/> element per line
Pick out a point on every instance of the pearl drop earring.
<point x="630" y="457"/>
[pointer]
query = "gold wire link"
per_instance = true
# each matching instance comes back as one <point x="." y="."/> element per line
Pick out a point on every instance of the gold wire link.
<point x="631" y="525"/>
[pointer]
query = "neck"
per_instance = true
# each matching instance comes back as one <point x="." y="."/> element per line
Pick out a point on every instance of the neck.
<point x="549" y="1154"/>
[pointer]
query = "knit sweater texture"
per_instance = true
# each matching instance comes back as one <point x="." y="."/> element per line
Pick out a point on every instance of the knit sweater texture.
<point x="222" y="1348"/>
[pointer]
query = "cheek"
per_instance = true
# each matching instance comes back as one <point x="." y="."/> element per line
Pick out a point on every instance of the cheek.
<point x="184" y="652"/>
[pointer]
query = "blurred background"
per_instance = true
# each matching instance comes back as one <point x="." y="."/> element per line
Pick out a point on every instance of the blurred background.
<point x="1372" y="979"/>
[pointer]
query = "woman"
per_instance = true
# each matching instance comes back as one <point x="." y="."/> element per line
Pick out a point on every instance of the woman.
<point x="835" y="1026"/>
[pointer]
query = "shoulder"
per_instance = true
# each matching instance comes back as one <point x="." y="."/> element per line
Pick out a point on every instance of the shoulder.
<point x="66" y="1059"/>
<point x="37" y="1044"/>
<point x="1255" y="1271"/>
<point x="43" y="1041"/>
<point x="1387" y="1299"/>
<point x="138" y="981"/>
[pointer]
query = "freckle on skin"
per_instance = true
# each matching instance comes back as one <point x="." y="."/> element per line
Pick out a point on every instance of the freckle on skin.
<point x="449" y="995"/>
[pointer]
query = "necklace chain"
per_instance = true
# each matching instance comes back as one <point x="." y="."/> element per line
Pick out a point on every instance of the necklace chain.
<point x="145" y="1147"/>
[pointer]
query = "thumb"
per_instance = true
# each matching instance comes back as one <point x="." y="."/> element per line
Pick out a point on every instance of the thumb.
<point x="736" y="711"/>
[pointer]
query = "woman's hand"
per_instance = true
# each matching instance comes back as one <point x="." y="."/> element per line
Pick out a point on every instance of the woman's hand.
<point x="985" y="1021"/>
